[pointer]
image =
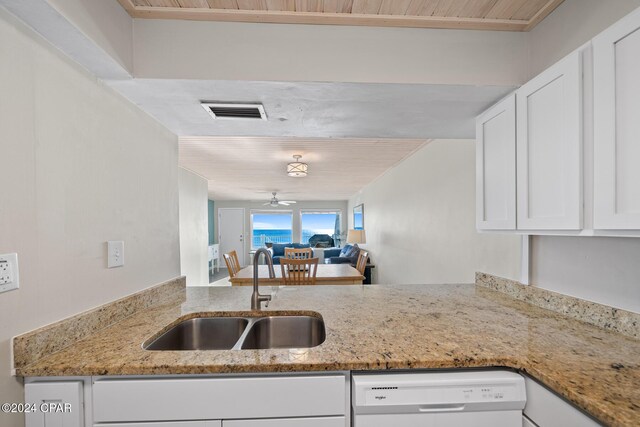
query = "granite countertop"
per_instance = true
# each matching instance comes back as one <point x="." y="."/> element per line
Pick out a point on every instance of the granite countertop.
<point x="386" y="327"/>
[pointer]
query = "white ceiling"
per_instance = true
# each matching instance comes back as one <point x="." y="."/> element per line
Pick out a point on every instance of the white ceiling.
<point x="316" y="110"/>
<point x="251" y="168"/>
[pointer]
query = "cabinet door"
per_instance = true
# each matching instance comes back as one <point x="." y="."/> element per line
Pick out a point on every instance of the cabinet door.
<point x="62" y="401"/>
<point x="549" y="148"/>
<point x="160" y="399"/>
<point x="496" y="167"/>
<point x="288" y="422"/>
<point x="208" y="423"/>
<point x="616" y="60"/>
<point x="546" y="409"/>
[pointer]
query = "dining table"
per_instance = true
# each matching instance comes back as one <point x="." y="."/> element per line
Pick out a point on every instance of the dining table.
<point x="327" y="274"/>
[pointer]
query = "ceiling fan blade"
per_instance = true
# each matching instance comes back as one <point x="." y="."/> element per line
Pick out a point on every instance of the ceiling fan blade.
<point x="287" y="201"/>
<point x="265" y="204"/>
<point x="283" y="203"/>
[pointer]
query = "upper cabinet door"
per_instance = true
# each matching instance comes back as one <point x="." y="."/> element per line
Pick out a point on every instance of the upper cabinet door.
<point x="549" y="148"/>
<point x="616" y="74"/>
<point x="496" y="167"/>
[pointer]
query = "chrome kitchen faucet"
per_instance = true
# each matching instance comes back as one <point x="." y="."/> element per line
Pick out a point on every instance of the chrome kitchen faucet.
<point x="256" y="298"/>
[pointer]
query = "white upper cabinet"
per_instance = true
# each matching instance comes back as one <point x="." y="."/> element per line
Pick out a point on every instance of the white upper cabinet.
<point x="549" y="148"/>
<point x="616" y="60"/>
<point x="496" y="167"/>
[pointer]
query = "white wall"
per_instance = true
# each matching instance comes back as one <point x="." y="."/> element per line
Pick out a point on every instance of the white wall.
<point x="572" y="24"/>
<point x="599" y="269"/>
<point x="420" y="221"/>
<point x="79" y="166"/>
<point x="194" y="228"/>
<point x="295" y="209"/>
<point x="288" y="52"/>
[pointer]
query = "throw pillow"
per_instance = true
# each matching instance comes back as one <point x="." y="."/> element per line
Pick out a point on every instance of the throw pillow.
<point x="345" y="251"/>
<point x="278" y="249"/>
<point x="355" y="251"/>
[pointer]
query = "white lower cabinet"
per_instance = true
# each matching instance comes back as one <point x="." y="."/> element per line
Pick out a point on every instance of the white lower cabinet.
<point x="55" y="404"/>
<point x="546" y="409"/>
<point x="184" y="399"/>
<point x="208" y="423"/>
<point x="314" y="400"/>
<point x="288" y="422"/>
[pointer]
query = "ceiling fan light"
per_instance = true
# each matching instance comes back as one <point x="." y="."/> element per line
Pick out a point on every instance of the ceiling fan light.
<point x="297" y="169"/>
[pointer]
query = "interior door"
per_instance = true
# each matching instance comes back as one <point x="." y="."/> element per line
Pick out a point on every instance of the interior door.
<point x="616" y="74"/>
<point x="231" y="231"/>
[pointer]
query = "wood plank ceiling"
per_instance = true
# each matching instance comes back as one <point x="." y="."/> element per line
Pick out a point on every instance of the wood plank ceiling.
<point x="506" y="15"/>
<point x="250" y="168"/>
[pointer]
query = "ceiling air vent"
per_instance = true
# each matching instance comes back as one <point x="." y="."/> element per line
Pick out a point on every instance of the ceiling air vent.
<point x="219" y="110"/>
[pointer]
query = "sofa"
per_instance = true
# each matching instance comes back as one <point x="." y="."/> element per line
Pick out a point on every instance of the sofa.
<point x="346" y="255"/>
<point x="277" y="250"/>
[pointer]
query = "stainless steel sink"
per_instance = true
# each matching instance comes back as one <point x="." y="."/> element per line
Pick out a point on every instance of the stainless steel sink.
<point x="285" y="332"/>
<point x="241" y="333"/>
<point x="203" y="333"/>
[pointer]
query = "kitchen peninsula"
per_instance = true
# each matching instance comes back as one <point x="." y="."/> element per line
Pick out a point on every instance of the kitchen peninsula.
<point x="372" y="328"/>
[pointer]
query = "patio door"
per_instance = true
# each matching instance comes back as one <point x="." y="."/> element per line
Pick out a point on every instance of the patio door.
<point x="231" y="232"/>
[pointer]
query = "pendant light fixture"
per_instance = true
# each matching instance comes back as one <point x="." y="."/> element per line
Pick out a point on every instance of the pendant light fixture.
<point x="297" y="169"/>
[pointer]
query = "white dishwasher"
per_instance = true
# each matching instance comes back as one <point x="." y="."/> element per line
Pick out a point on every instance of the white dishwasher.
<point x="438" y="399"/>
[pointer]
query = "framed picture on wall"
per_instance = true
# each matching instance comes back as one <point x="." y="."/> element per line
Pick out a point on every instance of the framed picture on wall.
<point x="358" y="217"/>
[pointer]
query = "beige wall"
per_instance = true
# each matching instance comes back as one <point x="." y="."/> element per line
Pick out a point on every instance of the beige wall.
<point x="572" y="24"/>
<point x="295" y="209"/>
<point x="420" y="221"/>
<point x="288" y="52"/>
<point x="104" y="22"/>
<point x="194" y="228"/>
<point x="79" y="166"/>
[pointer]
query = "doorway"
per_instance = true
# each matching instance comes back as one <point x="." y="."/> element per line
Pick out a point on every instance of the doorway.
<point x="231" y="231"/>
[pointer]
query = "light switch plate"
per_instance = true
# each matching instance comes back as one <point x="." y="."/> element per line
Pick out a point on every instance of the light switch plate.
<point x="9" y="274"/>
<point x="115" y="253"/>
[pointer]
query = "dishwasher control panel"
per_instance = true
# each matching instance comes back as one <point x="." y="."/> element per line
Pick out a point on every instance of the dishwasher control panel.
<point x="418" y="394"/>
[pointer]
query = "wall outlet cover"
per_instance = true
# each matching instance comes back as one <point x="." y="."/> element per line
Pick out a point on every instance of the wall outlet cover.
<point x="9" y="274"/>
<point x="115" y="253"/>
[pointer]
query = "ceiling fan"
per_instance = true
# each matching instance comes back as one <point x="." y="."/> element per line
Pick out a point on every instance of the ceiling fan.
<point x="274" y="202"/>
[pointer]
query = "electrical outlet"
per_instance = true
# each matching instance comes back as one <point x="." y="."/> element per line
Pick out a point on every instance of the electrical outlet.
<point x="9" y="277"/>
<point x="115" y="253"/>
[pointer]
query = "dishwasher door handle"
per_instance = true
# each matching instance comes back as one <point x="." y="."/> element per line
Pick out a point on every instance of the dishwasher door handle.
<point x="442" y="407"/>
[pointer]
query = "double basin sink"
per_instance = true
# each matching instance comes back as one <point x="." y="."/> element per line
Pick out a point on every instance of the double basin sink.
<point x="241" y="333"/>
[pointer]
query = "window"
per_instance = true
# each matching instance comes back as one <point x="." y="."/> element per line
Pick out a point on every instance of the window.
<point x="270" y="227"/>
<point x="320" y="222"/>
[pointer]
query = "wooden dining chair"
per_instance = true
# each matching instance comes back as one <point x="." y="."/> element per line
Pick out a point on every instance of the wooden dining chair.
<point x="363" y="257"/>
<point x="233" y="264"/>
<point x="299" y="272"/>
<point x="298" y="253"/>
